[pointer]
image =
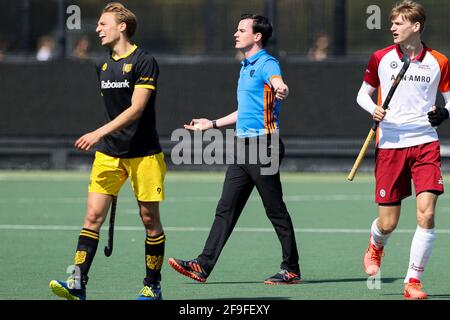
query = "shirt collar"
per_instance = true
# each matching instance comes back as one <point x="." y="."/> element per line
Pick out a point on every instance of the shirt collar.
<point x="419" y="57"/>
<point x="117" y="58"/>
<point x="253" y="58"/>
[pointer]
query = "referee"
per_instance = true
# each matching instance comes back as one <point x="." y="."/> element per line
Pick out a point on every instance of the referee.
<point x="260" y="89"/>
<point x="128" y="146"/>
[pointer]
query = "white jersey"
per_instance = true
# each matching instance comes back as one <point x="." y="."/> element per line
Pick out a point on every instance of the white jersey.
<point x="406" y="121"/>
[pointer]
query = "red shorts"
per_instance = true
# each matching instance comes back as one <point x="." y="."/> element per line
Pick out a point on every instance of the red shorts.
<point x="394" y="169"/>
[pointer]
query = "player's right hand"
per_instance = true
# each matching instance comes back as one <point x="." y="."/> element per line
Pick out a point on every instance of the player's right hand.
<point x="86" y="142"/>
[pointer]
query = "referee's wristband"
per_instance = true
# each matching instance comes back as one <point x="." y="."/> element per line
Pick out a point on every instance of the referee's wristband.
<point x="214" y="124"/>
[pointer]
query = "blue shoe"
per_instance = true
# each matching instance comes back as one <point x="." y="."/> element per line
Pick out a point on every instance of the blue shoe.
<point x="151" y="292"/>
<point x="67" y="289"/>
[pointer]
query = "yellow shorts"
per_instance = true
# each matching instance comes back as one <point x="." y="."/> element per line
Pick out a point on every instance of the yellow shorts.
<point x="146" y="176"/>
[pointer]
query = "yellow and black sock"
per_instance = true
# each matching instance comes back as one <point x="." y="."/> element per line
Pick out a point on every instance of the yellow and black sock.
<point x="86" y="249"/>
<point x="154" y="256"/>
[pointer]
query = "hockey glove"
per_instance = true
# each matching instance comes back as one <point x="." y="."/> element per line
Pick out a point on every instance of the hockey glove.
<point x="437" y="116"/>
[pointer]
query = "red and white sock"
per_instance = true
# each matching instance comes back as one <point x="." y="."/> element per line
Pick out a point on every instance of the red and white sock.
<point x="378" y="239"/>
<point x="421" y="248"/>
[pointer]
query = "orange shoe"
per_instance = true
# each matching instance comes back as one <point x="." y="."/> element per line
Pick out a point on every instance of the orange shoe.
<point x="372" y="259"/>
<point x="413" y="290"/>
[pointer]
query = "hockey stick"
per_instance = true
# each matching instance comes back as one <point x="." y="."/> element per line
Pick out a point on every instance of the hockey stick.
<point x="112" y="218"/>
<point x="406" y="61"/>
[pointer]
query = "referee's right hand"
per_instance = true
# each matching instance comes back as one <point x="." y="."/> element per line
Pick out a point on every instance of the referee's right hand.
<point x="199" y="124"/>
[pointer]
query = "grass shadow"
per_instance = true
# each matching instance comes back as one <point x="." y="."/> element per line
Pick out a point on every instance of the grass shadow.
<point x="383" y="280"/>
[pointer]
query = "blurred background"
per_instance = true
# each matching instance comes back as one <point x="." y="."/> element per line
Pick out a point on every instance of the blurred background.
<point x="50" y="95"/>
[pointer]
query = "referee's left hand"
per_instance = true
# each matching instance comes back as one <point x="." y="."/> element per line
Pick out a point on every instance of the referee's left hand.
<point x="281" y="91"/>
<point x="87" y="141"/>
<point x="280" y="88"/>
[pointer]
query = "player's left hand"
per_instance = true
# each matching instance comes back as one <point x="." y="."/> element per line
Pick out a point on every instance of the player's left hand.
<point x="87" y="141"/>
<point x="437" y="115"/>
<point x="281" y="92"/>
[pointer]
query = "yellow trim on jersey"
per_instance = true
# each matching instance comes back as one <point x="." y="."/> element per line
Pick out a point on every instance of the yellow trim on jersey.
<point x="117" y="58"/>
<point x="146" y="86"/>
<point x="146" y="79"/>
<point x="276" y="76"/>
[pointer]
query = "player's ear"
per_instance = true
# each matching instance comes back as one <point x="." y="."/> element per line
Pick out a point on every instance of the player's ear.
<point x="258" y="36"/>
<point x="122" y="26"/>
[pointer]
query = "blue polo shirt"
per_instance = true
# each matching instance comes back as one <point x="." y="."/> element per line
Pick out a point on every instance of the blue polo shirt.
<point x="257" y="106"/>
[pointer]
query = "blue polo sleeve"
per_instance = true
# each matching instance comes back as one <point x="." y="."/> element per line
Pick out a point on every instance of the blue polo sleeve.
<point x="271" y="68"/>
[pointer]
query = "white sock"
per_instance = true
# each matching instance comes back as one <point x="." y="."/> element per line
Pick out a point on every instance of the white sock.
<point x="378" y="239"/>
<point x="421" y="247"/>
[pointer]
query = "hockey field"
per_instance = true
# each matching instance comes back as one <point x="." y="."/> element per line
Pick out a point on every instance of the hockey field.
<point x="41" y="215"/>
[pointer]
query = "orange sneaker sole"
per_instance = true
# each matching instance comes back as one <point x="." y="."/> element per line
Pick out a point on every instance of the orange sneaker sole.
<point x="181" y="270"/>
<point x="407" y="296"/>
<point x="282" y="283"/>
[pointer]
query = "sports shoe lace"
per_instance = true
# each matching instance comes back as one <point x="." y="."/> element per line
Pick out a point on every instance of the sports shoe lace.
<point x="415" y="286"/>
<point x="195" y="266"/>
<point x="375" y="254"/>
<point x="286" y="274"/>
<point x="147" y="292"/>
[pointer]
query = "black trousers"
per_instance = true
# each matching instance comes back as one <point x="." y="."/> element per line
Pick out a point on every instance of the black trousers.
<point x="239" y="182"/>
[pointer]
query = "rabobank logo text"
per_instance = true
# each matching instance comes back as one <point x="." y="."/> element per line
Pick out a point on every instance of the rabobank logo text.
<point x="115" y="84"/>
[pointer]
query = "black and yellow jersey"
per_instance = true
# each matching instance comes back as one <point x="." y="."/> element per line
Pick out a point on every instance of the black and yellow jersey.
<point x="118" y="77"/>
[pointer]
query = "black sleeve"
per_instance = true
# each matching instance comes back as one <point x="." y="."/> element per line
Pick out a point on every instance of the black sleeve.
<point x="146" y="72"/>
<point x="99" y="63"/>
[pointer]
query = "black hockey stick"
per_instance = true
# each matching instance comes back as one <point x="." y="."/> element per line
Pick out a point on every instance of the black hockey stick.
<point x="109" y="248"/>
<point x="406" y="61"/>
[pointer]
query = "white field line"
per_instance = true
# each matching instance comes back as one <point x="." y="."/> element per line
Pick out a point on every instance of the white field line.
<point x="200" y="229"/>
<point x="287" y="198"/>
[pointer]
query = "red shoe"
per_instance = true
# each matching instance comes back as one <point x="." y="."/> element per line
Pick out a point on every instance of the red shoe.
<point x="372" y="259"/>
<point x="413" y="290"/>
